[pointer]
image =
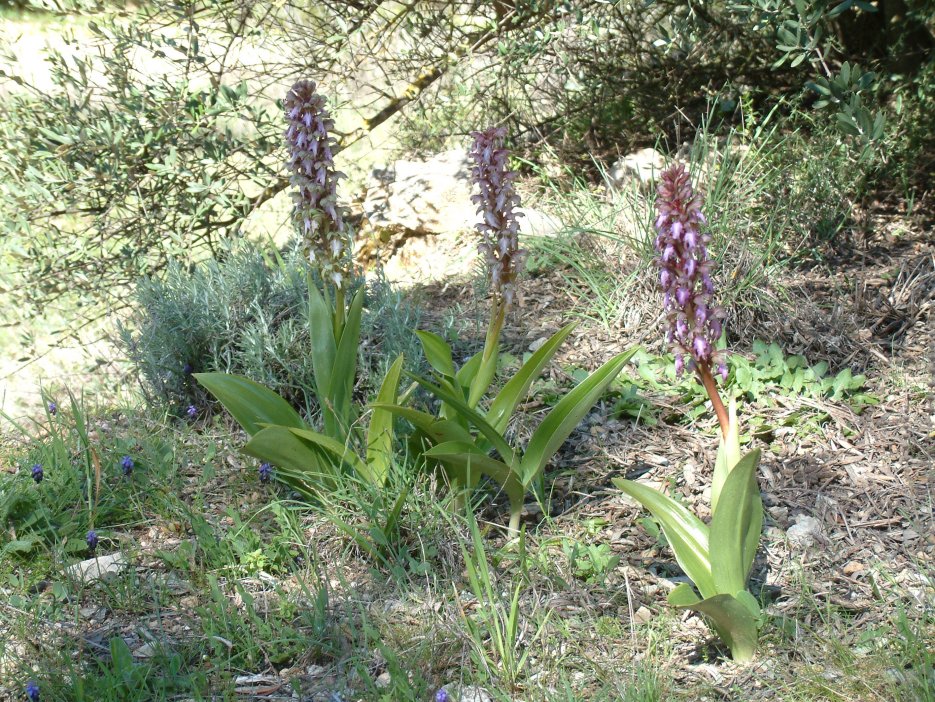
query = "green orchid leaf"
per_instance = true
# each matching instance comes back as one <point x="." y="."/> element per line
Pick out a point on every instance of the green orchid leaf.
<point x="686" y="534"/>
<point x="728" y="454"/>
<point x="251" y="404"/>
<point x="341" y="452"/>
<point x="298" y="464"/>
<point x="735" y="525"/>
<point x="380" y="431"/>
<point x="452" y="430"/>
<point x="683" y="595"/>
<point x="437" y="353"/>
<point x="469" y="457"/>
<point x="566" y="415"/>
<point x="504" y="404"/>
<point x="321" y="333"/>
<point x="344" y="370"/>
<point x="472" y="416"/>
<point x="730" y="616"/>
<point x="466" y="374"/>
<point x="437" y="430"/>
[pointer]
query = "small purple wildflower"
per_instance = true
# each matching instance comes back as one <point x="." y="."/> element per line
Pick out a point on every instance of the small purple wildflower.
<point x="32" y="691"/>
<point x="92" y="541"/>
<point x="495" y="202"/>
<point x="695" y="324"/>
<point x="53" y="408"/>
<point x="192" y="411"/>
<point x="188" y="369"/>
<point x="37" y="473"/>
<point x="442" y="695"/>
<point x="266" y="472"/>
<point x="126" y="463"/>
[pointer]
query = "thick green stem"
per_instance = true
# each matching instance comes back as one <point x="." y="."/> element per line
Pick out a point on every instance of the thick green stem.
<point x="516" y="512"/>
<point x="340" y="314"/>
<point x="704" y="373"/>
<point x="488" y="365"/>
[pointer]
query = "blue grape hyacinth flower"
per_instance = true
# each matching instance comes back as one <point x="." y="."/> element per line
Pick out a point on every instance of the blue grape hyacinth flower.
<point x="126" y="463"/>
<point x="442" y="696"/>
<point x="92" y="541"/>
<point x="32" y="691"/>
<point x="192" y="411"/>
<point x="53" y="408"/>
<point x="266" y="472"/>
<point x="37" y="473"/>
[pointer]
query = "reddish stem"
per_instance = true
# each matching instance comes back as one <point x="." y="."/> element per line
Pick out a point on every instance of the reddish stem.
<point x="704" y="372"/>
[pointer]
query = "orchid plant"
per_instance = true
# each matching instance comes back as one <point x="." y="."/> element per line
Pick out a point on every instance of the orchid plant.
<point x="307" y="459"/>
<point x="718" y="557"/>
<point x="464" y="434"/>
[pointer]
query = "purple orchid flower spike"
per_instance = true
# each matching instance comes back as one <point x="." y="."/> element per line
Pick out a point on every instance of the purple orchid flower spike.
<point x="695" y="322"/>
<point x="496" y="201"/>
<point x="317" y="215"/>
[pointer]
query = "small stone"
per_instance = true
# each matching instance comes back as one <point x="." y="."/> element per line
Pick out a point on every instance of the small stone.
<point x="316" y="671"/>
<point x="537" y="223"/>
<point x="642" y="615"/>
<point x="641" y="167"/>
<point x="689" y="473"/>
<point x="472" y="693"/>
<point x="384" y="679"/>
<point x="93" y="569"/>
<point x="538" y="344"/>
<point x="805" y="531"/>
<point x="147" y="650"/>
<point x="852" y="567"/>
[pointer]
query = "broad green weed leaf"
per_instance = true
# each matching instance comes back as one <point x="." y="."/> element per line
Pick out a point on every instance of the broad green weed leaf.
<point x="437" y="430"/>
<point x="467" y="372"/>
<point x="469" y="457"/>
<point x="298" y="463"/>
<point x="728" y="454"/>
<point x="341" y="452"/>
